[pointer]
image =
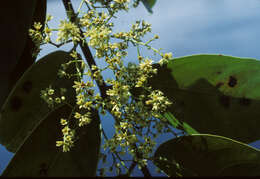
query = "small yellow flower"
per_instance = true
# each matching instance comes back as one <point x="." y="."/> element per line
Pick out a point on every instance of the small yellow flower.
<point x="84" y="120"/>
<point x="65" y="130"/>
<point x="80" y="100"/>
<point x="87" y="105"/>
<point x="49" y="17"/>
<point x="50" y="91"/>
<point x="167" y="56"/>
<point x="59" y="143"/>
<point x="47" y="30"/>
<point x="63" y="122"/>
<point x="77" y="115"/>
<point x="78" y="85"/>
<point x="37" y="25"/>
<point x="58" y="100"/>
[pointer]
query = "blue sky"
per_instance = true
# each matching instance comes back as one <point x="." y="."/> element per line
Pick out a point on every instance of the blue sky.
<point x="185" y="27"/>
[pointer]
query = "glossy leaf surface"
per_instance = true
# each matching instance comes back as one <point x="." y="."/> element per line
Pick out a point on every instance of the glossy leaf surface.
<point x="214" y="94"/>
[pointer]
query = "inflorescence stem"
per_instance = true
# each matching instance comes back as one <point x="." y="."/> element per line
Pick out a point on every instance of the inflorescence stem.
<point x="84" y="47"/>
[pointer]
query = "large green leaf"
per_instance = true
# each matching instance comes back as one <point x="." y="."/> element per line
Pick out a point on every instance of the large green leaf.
<point x="27" y="59"/>
<point x="39" y="156"/>
<point x="16" y="19"/>
<point x="24" y="108"/>
<point x="214" y="94"/>
<point x="207" y="155"/>
<point x="149" y="4"/>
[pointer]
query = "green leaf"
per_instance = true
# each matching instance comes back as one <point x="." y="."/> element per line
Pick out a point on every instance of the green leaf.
<point x="177" y="124"/>
<point x="207" y="155"/>
<point x="24" y="108"/>
<point x="214" y="94"/>
<point x="39" y="156"/>
<point x="149" y="4"/>
<point x="16" y="19"/>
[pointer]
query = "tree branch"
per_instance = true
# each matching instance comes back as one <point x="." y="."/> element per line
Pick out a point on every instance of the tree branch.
<point x="131" y="168"/>
<point x="84" y="46"/>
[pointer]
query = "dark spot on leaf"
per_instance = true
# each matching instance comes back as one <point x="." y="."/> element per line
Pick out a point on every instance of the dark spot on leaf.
<point x="218" y="72"/>
<point x="219" y="84"/>
<point x="16" y="103"/>
<point x="224" y="101"/>
<point x="27" y="86"/>
<point x="43" y="169"/>
<point x="245" y="101"/>
<point x="232" y="81"/>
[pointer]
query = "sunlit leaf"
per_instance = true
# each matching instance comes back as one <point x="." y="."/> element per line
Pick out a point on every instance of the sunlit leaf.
<point x="214" y="94"/>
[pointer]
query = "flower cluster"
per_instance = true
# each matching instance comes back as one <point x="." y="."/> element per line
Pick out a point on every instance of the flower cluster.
<point x="137" y="117"/>
<point x="40" y="36"/>
<point x="50" y="98"/>
<point x="158" y="102"/>
<point x="68" y="136"/>
<point x="68" y="30"/>
<point x="36" y="33"/>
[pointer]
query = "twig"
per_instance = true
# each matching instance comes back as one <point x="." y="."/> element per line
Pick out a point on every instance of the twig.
<point x="59" y="45"/>
<point x="131" y="168"/>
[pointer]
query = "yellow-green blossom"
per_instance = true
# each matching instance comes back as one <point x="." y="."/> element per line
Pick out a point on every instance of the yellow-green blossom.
<point x="68" y="30"/>
<point x="63" y="121"/>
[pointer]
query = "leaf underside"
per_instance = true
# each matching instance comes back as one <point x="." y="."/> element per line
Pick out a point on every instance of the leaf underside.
<point x="24" y="108"/>
<point x="39" y="156"/>
<point x="208" y="155"/>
